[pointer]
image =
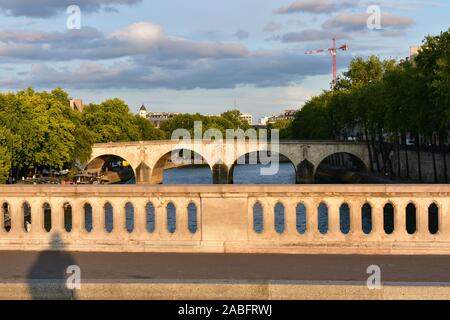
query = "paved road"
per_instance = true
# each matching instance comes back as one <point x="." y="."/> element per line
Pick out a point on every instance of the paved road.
<point x="135" y="267"/>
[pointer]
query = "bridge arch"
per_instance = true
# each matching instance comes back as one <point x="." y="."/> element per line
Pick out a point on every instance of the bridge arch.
<point x="338" y="164"/>
<point x="100" y="163"/>
<point x="254" y="157"/>
<point x="185" y="157"/>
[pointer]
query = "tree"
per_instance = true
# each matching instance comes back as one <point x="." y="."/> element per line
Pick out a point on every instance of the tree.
<point x="5" y="164"/>
<point x="147" y="130"/>
<point x="284" y="126"/>
<point x="111" y="121"/>
<point x="314" y="121"/>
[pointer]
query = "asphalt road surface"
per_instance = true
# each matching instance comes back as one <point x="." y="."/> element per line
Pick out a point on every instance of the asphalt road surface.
<point x="136" y="267"/>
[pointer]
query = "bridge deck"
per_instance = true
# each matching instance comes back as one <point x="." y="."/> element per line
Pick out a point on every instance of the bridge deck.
<point x="136" y="267"/>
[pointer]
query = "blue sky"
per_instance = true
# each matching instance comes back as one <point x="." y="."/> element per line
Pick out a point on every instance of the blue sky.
<point x="200" y="55"/>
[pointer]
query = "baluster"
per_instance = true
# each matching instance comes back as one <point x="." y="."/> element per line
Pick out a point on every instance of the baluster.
<point x="119" y="220"/>
<point x="162" y="226"/>
<point x="16" y="216"/>
<point x="98" y="219"/>
<point x="57" y="217"/>
<point x="312" y="223"/>
<point x="37" y="220"/>
<point x="377" y="219"/>
<point x="140" y="225"/>
<point x="77" y="218"/>
<point x="356" y="230"/>
<point x="290" y="219"/>
<point x="400" y="231"/>
<point x="334" y="223"/>
<point x="444" y="217"/>
<point x="423" y="231"/>
<point x="182" y="231"/>
<point x="268" y="219"/>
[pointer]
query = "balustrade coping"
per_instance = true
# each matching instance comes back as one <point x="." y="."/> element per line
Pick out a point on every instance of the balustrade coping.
<point x="222" y="190"/>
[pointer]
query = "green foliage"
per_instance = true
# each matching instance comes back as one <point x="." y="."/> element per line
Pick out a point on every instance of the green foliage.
<point x="227" y="120"/>
<point x="284" y="126"/>
<point x="5" y="164"/>
<point x="147" y="130"/>
<point x="314" y="120"/>
<point x="111" y="121"/>
<point x="383" y="96"/>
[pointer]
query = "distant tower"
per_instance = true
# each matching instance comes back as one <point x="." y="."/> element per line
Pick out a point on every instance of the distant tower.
<point x="143" y="112"/>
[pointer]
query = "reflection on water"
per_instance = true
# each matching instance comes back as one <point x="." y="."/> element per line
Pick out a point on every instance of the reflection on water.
<point x="188" y="175"/>
<point x="251" y="174"/>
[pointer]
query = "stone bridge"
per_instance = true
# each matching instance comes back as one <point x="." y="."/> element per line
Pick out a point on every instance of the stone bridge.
<point x="149" y="159"/>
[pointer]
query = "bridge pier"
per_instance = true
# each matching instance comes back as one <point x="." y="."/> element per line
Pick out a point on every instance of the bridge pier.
<point x="143" y="174"/>
<point x="305" y="173"/>
<point x="221" y="174"/>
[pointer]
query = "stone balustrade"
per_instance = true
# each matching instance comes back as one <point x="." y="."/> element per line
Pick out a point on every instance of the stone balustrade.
<point x="316" y="219"/>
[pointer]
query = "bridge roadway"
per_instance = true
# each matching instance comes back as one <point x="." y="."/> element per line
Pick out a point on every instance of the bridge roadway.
<point x="220" y="276"/>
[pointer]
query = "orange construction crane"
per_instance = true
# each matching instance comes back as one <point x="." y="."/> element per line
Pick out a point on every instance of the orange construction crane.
<point x="333" y="50"/>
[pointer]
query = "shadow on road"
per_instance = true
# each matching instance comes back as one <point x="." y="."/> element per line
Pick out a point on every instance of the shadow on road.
<point x="48" y="275"/>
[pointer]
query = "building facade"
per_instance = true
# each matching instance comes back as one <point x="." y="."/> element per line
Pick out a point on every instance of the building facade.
<point x="247" y="117"/>
<point x="157" y="118"/>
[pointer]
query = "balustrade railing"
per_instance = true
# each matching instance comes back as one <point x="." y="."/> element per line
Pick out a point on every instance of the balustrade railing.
<point x="372" y="219"/>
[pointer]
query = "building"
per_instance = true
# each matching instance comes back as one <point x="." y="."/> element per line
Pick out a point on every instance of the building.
<point x="156" y="117"/>
<point x="247" y="117"/>
<point x="143" y="112"/>
<point x="263" y="121"/>
<point x="76" y="104"/>
<point x="286" y="115"/>
<point x="159" y="117"/>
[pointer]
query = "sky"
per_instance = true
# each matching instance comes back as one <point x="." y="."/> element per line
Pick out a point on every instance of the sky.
<point x="204" y="56"/>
